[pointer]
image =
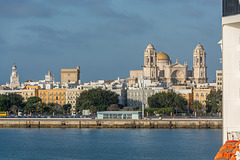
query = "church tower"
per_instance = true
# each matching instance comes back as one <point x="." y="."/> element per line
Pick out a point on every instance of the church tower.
<point x="49" y="77"/>
<point x="14" y="78"/>
<point x="150" y="63"/>
<point x="199" y="65"/>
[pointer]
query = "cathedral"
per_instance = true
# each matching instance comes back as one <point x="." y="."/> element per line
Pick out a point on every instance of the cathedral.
<point x="158" y="67"/>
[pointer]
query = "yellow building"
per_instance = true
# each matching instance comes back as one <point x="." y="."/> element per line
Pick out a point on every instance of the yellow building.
<point x="57" y="96"/>
<point x="200" y="94"/>
<point x="189" y="98"/>
<point x="29" y="91"/>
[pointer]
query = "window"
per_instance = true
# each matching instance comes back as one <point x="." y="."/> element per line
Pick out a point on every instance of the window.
<point x="202" y="94"/>
<point x="230" y="7"/>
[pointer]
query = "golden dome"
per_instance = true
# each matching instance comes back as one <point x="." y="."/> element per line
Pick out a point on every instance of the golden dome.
<point x="162" y="56"/>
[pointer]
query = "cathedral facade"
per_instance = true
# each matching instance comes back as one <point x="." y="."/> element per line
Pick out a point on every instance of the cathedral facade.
<point x="158" y="67"/>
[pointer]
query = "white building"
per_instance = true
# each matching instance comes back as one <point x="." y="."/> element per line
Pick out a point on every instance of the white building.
<point x="231" y="68"/>
<point x="219" y="80"/>
<point x="47" y="83"/>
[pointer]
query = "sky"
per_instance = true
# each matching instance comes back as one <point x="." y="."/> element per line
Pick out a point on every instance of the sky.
<point x="106" y="38"/>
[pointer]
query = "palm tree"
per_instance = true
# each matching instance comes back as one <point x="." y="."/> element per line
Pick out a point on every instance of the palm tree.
<point x="196" y="106"/>
<point x="13" y="109"/>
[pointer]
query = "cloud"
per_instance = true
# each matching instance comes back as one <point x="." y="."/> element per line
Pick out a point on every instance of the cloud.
<point x="24" y="8"/>
<point x="46" y="40"/>
<point x="130" y="24"/>
<point x="46" y="33"/>
<point x="98" y="7"/>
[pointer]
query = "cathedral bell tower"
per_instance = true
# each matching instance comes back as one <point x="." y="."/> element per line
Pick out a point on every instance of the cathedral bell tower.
<point x="199" y="65"/>
<point x="150" y="63"/>
<point x="14" y="78"/>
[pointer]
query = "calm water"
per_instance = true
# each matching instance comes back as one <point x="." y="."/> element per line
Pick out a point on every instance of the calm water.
<point x="114" y="144"/>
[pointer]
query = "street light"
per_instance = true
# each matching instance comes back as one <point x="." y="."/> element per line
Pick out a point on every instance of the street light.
<point x="143" y="93"/>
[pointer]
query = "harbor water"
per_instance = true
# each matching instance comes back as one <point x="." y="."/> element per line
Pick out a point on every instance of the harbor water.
<point x="117" y="144"/>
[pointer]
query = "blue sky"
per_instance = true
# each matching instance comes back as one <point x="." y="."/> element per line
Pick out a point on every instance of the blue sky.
<point x="106" y="38"/>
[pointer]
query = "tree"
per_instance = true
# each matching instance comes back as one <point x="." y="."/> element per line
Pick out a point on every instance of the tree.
<point x="214" y="102"/>
<point x="130" y="108"/>
<point x="113" y="107"/>
<point x="66" y="108"/>
<point x="167" y="100"/>
<point x="32" y="105"/>
<point x="4" y="103"/>
<point x="196" y="106"/>
<point x="96" y="100"/>
<point x="33" y="100"/>
<point x="40" y="108"/>
<point x="9" y="100"/>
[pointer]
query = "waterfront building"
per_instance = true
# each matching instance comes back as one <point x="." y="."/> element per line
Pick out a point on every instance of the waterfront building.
<point x="135" y="76"/>
<point x="57" y="96"/>
<point x="200" y="94"/>
<point x="231" y="68"/>
<point x="72" y="95"/>
<point x="159" y="67"/>
<point x="70" y="76"/>
<point x="219" y="80"/>
<point x="184" y="91"/>
<point x="29" y="91"/>
<point x="138" y="96"/>
<point x="119" y="115"/>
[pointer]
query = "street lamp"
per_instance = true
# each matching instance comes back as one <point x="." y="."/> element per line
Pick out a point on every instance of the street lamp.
<point x="143" y="93"/>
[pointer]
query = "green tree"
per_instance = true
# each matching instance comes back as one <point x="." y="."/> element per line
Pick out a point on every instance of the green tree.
<point x="214" y="102"/>
<point x="168" y="100"/>
<point x="40" y="108"/>
<point x="196" y="106"/>
<point x="113" y="107"/>
<point x="11" y="100"/>
<point x="66" y="108"/>
<point x="34" y="100"/>
<point x="4" y="103"/>
<point x="32" y="105"/>
<point x="96" y="100"/>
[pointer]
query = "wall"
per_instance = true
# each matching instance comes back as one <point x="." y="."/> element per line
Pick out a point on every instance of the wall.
<point x="83" y="123"/>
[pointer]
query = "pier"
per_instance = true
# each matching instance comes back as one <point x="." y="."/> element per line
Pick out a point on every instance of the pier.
<point x="94" y="123"/>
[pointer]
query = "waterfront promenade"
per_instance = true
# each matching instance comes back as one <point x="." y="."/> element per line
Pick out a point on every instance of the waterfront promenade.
<point x="95" y="123"/>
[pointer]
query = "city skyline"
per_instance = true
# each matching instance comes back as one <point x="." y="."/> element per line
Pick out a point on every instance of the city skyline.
<point x="105" y="38"/>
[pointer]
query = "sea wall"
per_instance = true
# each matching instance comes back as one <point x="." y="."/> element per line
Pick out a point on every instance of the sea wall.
<point x="83" y="123"/>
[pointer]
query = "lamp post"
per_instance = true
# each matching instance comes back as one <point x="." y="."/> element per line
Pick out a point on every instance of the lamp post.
<point x="143" y="93"/>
